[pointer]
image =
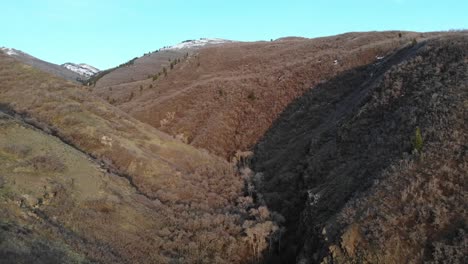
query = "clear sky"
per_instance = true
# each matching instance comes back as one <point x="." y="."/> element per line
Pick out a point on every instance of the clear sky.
<point x="105" y="33"/>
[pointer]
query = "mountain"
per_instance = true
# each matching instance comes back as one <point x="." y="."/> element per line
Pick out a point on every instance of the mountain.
<point x="225" y="97"/>
<point x="85" y="70"/>
<point x="342" y="149"/>
<point x="68" y="71"/>
<point x="320" y="150"/>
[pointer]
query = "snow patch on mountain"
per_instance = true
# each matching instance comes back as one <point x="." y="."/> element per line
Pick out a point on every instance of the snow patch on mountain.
<point x="82" y="69"/>
<point x="9" y="51"/>
<point x="190" y="44"/>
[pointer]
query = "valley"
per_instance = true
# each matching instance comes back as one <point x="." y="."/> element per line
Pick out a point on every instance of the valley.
<point x="340" y="149"/>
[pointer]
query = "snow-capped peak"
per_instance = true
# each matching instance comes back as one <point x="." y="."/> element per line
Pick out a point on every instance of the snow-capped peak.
<point x="10" y="51"/>
<point x="82" y="69"/>
<point x="189" y="44"/>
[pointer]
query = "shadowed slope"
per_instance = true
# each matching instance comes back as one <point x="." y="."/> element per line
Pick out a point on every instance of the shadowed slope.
<point x="341" y="162"/>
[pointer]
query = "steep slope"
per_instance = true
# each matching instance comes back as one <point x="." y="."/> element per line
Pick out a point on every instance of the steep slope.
<point x="84" y="181"/>
<point x="224" y="98"/>
<point x="370" y="167"/>
<point x="57" y="70"/>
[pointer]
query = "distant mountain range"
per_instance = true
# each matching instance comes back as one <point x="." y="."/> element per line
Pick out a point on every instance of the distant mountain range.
<point x="69" y="71"/>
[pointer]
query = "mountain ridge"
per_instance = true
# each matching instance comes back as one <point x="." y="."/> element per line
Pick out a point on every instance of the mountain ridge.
<point x="68" y="71"/>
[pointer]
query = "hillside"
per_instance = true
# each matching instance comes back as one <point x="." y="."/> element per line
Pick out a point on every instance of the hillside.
<point x="83" y="181"/>
<point x="342" y="149"/>
<point x="62" y="71"/>
<point x="370" y="166"/>
<point x="152" y="63"/>
<point x="224" y="98"/>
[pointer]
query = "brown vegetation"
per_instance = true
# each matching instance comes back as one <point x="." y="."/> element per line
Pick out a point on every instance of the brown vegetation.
<point x="370" y="167"/>
<point x="226" y="97"/>
<point x="95" y="184"/>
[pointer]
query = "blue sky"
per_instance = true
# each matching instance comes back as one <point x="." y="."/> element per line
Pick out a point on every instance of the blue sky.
<point x="106" y="33"/>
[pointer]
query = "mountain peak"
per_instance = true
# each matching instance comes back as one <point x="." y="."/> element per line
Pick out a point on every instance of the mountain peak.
<point x="82" y="69"/>
<point x="10" y="51"/>
<point x="197" y="43"/>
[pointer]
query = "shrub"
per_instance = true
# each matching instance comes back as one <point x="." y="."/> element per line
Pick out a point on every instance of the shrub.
<point x="418" y="140"/>
<point x="47" y="163"/>
<point x="252" y="96"/>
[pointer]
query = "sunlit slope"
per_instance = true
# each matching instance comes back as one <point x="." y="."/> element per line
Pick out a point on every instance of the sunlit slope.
<point x="95" y="184"/>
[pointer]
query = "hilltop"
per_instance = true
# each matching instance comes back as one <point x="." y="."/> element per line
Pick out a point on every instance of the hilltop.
<point x="83" y="69"/>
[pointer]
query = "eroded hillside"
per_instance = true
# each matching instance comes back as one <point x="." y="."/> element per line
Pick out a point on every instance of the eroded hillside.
<point x="81" y="180"/>
<point x="371" y="166"/>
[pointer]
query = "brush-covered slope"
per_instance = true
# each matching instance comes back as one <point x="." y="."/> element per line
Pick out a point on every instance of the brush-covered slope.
<point x="151" y="64"/>
<point x="371" y="166"/>
<point x="224" y="98"/>
<point x="137" y="69"/>
<point x="82" y="181"/>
